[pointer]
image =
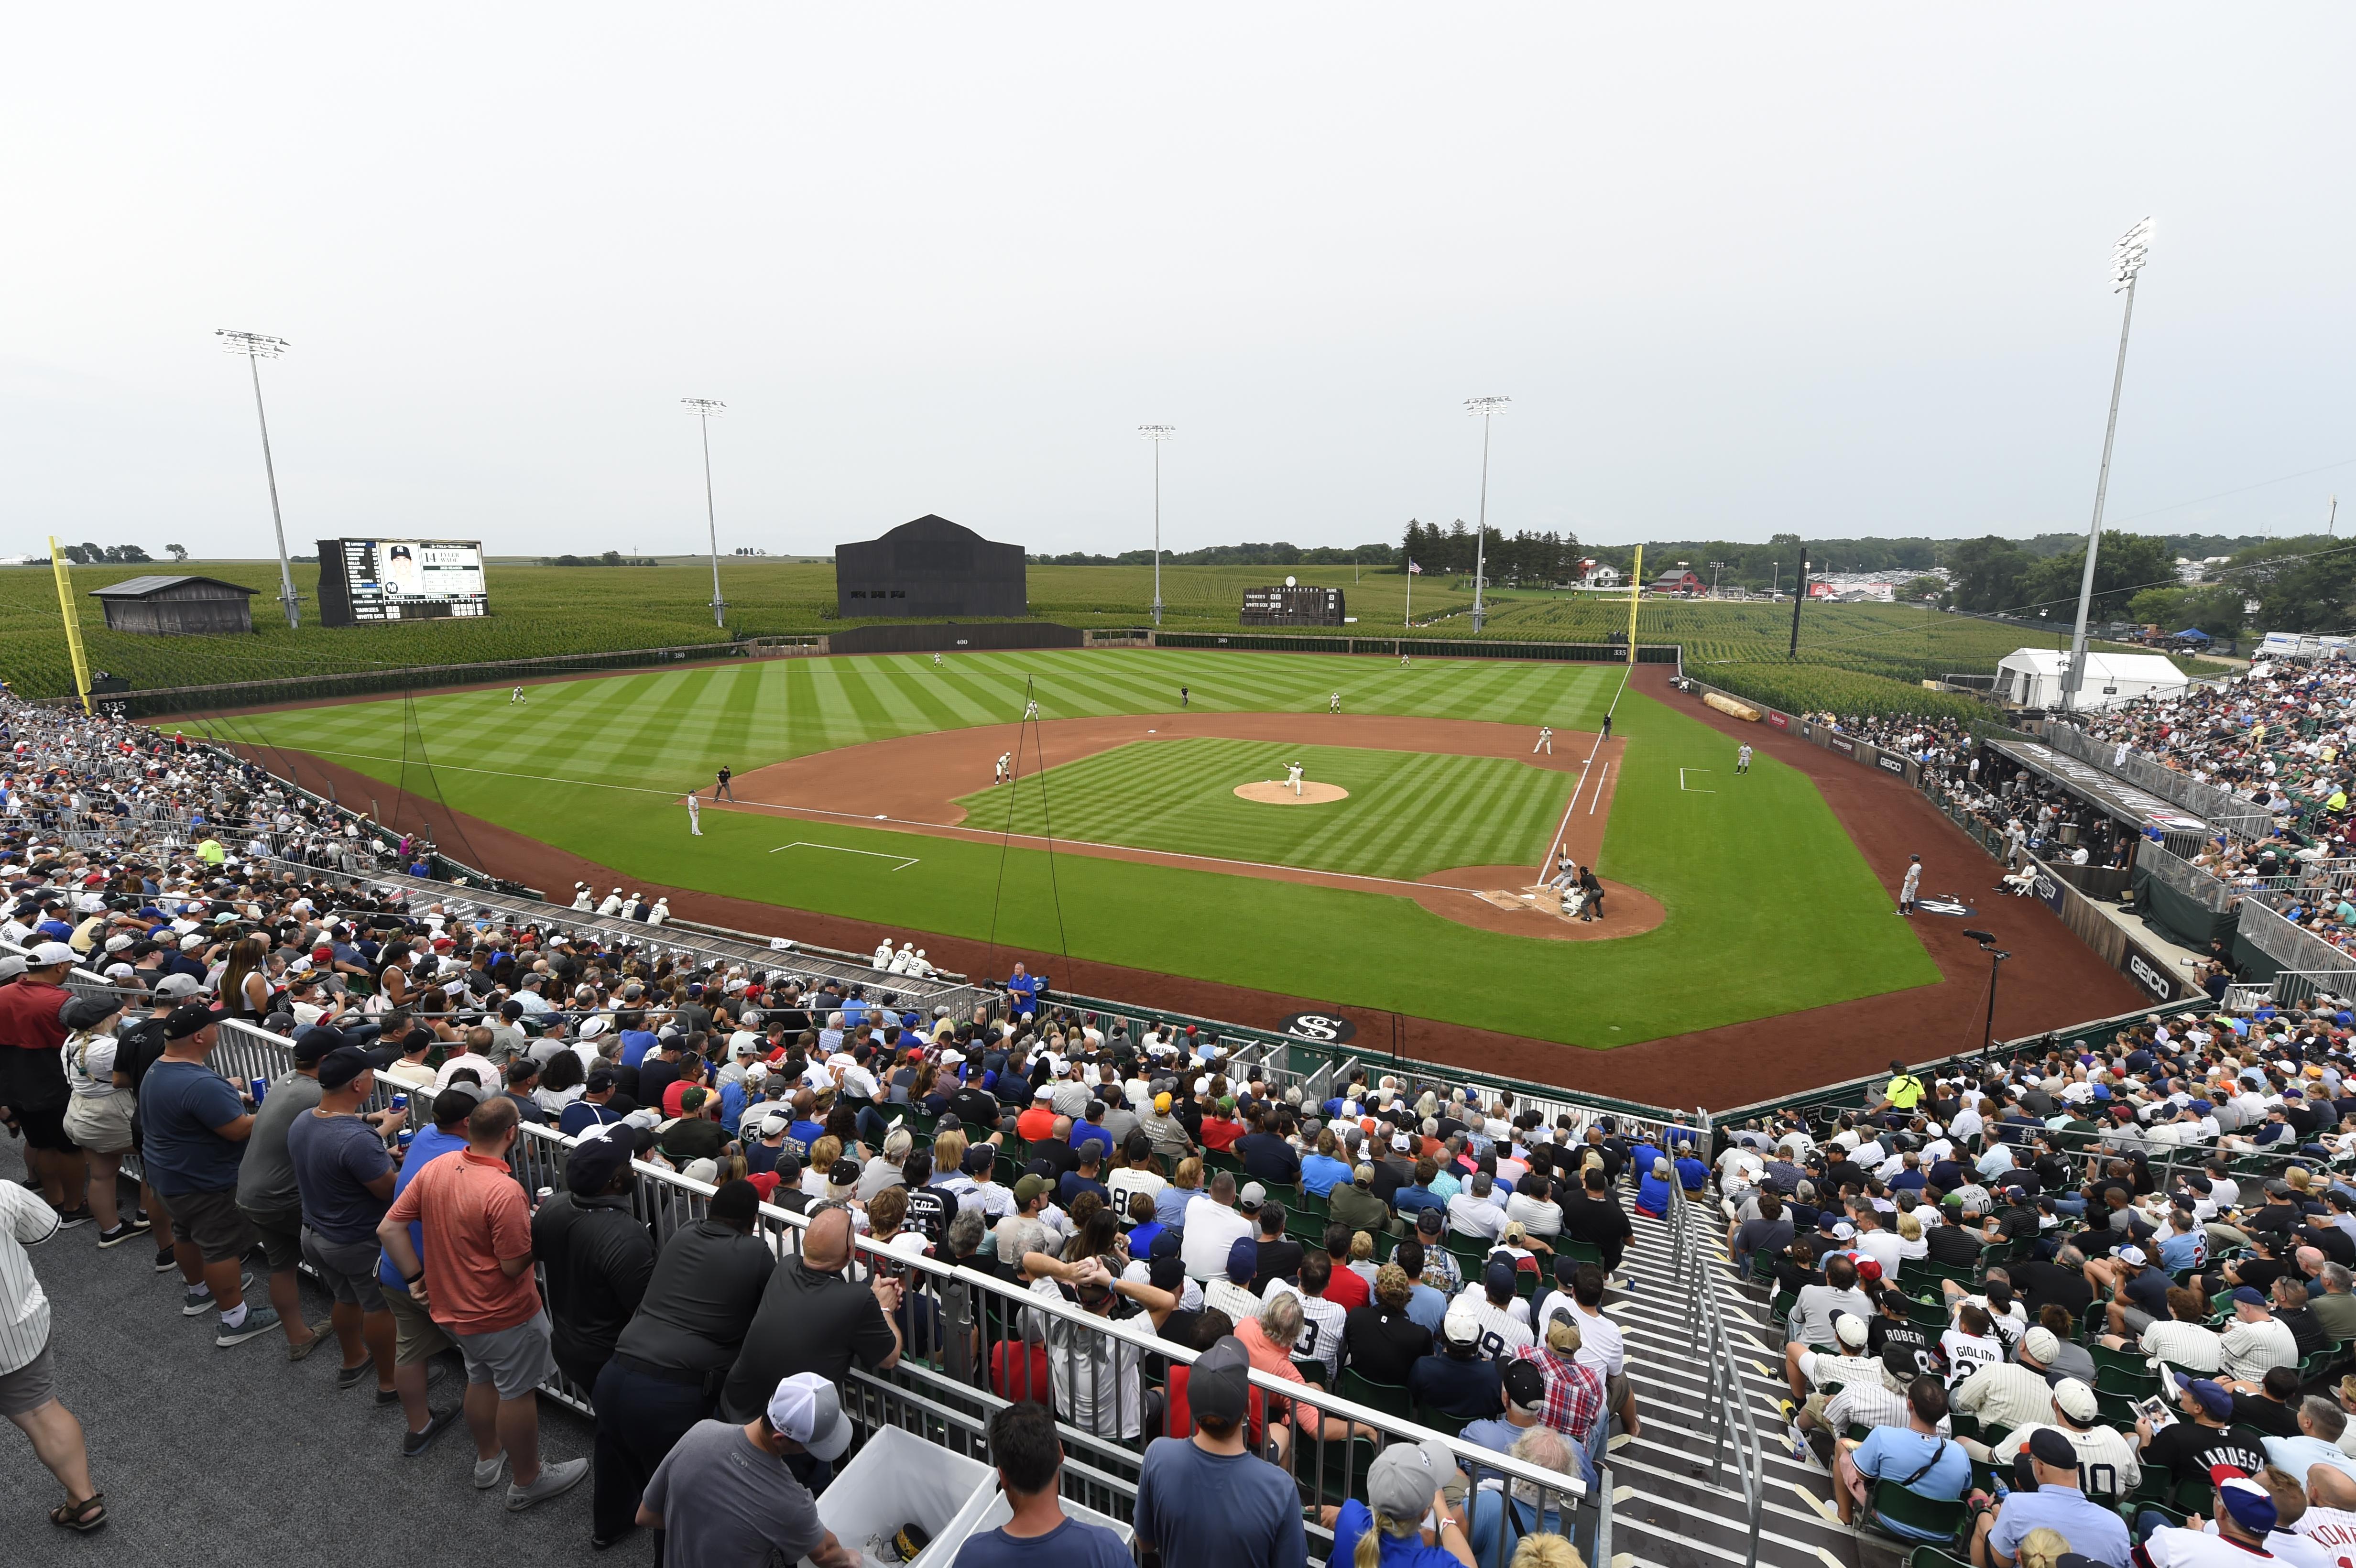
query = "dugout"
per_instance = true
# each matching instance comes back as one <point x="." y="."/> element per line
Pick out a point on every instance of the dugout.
<point x="177" y="606"/>
<point x="932" y="570"/>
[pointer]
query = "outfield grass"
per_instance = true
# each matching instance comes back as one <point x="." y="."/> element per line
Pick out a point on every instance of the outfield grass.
<point x="1408" y="814"/>
<point x="594" y="767"/>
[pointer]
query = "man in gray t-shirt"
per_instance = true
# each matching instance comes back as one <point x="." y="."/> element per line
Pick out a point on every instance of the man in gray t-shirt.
<point x="724" y="1494"/>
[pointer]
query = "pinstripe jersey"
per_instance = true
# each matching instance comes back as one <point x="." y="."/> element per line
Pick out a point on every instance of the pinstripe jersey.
<point x="1502" y="1328"/>
<point x="25" y="1221"/>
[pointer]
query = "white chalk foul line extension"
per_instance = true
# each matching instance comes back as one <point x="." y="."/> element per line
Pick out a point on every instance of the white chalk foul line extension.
<point x="1688" y="788"/>
<point x="905" y="860"/>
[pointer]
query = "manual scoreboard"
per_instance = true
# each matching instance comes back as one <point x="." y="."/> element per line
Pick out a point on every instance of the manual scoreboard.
<point x="1291" y="606"/>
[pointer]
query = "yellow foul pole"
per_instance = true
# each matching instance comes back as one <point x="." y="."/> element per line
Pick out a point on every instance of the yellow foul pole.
<point x="73" y="626"/>
<point x="1636" y="591"/>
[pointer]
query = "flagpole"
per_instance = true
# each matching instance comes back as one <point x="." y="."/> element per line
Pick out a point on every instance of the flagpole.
<point x="1408" y="620"/>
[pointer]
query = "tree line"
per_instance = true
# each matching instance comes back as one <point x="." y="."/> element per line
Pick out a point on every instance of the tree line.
<point x="115" y="554"/>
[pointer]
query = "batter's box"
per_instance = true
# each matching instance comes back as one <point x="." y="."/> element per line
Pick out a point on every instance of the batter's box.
<point x="905" y="860"/>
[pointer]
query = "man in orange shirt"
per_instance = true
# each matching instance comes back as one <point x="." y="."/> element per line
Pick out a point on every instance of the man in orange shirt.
<point x="476" y="1280"/>
<point x="1037" y="1124"/>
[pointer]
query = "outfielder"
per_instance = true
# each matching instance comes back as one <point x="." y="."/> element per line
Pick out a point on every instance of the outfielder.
<point x="1742" y="759"/>
<point x="694" y="815"/>
<point x="1292" y="776"/>
<point x="1333" y="704"/>
<point x="937" y="661"/>
<point x="1906" y="889"/>
<point x="1005" y="767"/>
<point x="515" y="696"/>
<point x="1031" y="710"/>
<point x="1181" y="697"/>
<point x="1546" y="742"/>
<point x="1402" y="661"/>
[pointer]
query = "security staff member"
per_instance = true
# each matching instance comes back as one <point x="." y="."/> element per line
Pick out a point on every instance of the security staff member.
<point x="1905" y="1091"/>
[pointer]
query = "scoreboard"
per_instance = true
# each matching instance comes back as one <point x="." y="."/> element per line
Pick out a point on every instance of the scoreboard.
<point x="1291" y="606"/>
<point x="367" y="581"/>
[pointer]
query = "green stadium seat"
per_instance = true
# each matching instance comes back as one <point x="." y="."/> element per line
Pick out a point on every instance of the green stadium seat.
<point x="1890" y="1503"/>
<point x="1391" y="1399"/>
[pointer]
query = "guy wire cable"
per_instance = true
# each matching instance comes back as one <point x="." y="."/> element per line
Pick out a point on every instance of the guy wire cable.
<point x="1054" y="892"/>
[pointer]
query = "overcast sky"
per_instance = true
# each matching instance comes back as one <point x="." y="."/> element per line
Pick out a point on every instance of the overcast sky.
<point x="1823" y="268"/>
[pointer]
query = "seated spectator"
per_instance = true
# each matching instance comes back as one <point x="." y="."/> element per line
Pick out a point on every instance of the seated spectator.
<point x="2009" y="1394"/>
<point x="1460" y="1379"/>
<point x="2183" y="1338"/>
<point x="1405" y="1483"/>
<point x="2202" y="1437"/>
<point x="1653" y="1191"/>
<point x="2254" y="1340"/>
<point x="1915" y="1456"/>
<point x="1811" y="1320"/>
<point x="2321" y="1424"/>
<point x="1383" y="1341"/>
<point x="2093" y="1530"/>
<point x="2108" y="1468"/>
<point x="2245" y="1517"/>
<point x="1574" y="1396"/>
<point x="1499" y="1517"/>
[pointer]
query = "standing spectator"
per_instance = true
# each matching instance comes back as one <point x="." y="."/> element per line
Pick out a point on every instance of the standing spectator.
<point x="416" y="1338"/>
<point x="476" y="1279"/>
<point x="193" y="1129"/>
<point x="33" y="1079"/>
<point x="811" y="1320"/>
<point x="728" y="1496"/>
<point x="699" y="1304"/>
<point x="597" y="1255"/>
<point x="266" y="1193"/>
<point x="1202" y="1499"/>
<point x="1028" y="1456"/>
<point x="28" y="1380"/>
<point x="345" y="1181"/>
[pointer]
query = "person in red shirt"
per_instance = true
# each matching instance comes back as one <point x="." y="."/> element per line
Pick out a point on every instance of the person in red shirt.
<point x="476" y="1280"/>
<point x="1037" y="1124"/>
<point x="33" y="1078"/>
<point x="1348" y="1287"/>
<point x="1220" y="1130"/>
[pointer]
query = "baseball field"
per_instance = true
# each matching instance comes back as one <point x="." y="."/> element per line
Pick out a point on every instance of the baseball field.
<point x="864" y="789"/>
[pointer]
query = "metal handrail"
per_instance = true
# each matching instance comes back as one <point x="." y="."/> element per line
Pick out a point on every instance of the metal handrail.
<point x="1709" y="1341"/>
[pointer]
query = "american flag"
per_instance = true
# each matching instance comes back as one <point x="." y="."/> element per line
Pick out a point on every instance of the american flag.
<point x="1413" y="569"/>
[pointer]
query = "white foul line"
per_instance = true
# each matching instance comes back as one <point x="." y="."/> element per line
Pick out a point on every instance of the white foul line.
<point x="1688" y="788"/>
<point x="1562" y="829"/>
<point x="905" y="860"/>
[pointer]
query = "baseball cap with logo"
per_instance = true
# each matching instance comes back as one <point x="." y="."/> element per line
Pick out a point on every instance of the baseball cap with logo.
<point x="806" y="1409"/>
<point x="2250" y="1505"/>
<point x="2076" y="1400"/>
<point x="1851" y="1330"/>
<point x="1525" y="1386"/>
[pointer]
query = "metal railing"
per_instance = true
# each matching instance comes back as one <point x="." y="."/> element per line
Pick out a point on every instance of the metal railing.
<point x="1733" y="1434"/>
<point x="2221" y="809"/>
<point x="2179" y="875"/>
<point x="2287" y="944"/>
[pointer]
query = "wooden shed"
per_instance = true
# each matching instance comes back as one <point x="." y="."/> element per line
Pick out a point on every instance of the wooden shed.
<point x="169" y="606"/>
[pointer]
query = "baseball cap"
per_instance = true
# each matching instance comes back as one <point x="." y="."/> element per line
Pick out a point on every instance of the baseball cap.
<point x="188" y="1021"/>
<point x="1028" y="1189"/>
<point x="2047" y="1445"/>
<point x="1219" y="1386"/>
<point x="1243" y="1261"/>
<point x="1428" y="1222"/>
<point x="341" y="1065"/>
<point x="844" y="1172"/>
<point x="1166" y="1271"/>
<point x="1498" y="1275"/>
<point x="593" y="1164"/>
<point x="804" y="1409"/>
<point x="48" y="954"/>
<point x="1525" y="1385"/>
<point x="1251" y="1198"/>
<point x="2076" y="1400"/>
<point x="2130" y="1254"/>
<point x="1404" y="1476"/>
<point x="2040" y="1346"/>
<point x="1462" y="1324"/>
<point x="980" y="1158"/>
<point x="2243" y="1296"/>
<point x="2250" y="1504"/>
<point x="1851" y="1330"/>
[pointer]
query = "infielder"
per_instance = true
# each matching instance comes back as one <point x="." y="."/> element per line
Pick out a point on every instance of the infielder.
<point x="1906" y="889"/>
<point x="515" y="696"/>
<point x="1333" y="704"/>
<point x="1031" y="710"/>
<point x="1005" y="767"/>
<point x="694" y="815"/>
<point x="1546" y="742"/>
<point x="1292" y="776"/>
<point x="1742" y="757"/>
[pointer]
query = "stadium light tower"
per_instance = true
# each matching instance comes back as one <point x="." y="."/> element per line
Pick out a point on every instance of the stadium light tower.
<point x="257" y="347"/>
<point x="705" y="411"/>
<point x="2126" y="264"/>
<point x="1484" y="409"/>
<point x="1157" y="434"/>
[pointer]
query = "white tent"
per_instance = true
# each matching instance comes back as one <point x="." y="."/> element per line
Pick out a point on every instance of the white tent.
<point x="2032" y="678"/>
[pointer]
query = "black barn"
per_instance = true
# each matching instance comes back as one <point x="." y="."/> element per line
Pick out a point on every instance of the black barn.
<point x="930" y="568"/>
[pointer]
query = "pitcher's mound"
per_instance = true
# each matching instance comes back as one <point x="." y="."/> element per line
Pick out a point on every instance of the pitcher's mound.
<point x="1270" y="793"/>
